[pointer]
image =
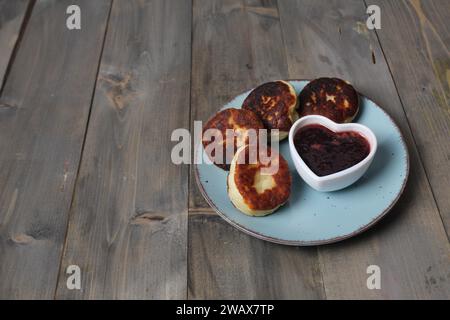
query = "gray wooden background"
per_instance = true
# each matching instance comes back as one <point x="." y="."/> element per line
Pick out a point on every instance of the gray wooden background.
<point x="85" y="123"/>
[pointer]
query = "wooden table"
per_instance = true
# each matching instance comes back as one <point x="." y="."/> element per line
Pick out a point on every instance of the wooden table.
<point x="86" y="116"/>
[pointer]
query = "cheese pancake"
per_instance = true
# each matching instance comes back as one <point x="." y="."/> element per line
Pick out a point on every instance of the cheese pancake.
<point x="255" y="191"/>
<point x="275" y="103"/>
<point x="238" y="120"/>
<point x="329" y="97"/>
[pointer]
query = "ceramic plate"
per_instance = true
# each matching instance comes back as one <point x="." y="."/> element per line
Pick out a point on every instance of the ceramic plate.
<point x="311" y="217"/>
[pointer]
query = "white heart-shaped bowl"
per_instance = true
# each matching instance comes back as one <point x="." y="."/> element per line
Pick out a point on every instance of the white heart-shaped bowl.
<point x="340" y="179"/>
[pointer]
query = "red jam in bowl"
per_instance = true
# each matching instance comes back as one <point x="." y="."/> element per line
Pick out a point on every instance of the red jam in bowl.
<point x="326" y="152"/>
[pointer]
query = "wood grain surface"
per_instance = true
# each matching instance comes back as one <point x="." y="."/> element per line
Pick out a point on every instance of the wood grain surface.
<point x="48" y="91"/>
<point x="225" y="263"/>
<point x="128" y="223"/>
<point x="12" y="14"/>
<point x="419" y="57"/>
<point x="86" y="117"/>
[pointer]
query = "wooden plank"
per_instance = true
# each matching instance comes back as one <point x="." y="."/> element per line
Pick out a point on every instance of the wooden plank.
<point x="48" y="91"/>
<point x="419" y="58"/>
<point x="12" y="14"/>
<point x="237" y="45"/>
<point x="225" y="263"/>
<point x="410" y="245"/>
<point x="128" y="225"/>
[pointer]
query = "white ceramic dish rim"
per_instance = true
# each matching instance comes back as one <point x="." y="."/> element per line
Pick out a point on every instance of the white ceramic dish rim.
<point x="335" y="127"/>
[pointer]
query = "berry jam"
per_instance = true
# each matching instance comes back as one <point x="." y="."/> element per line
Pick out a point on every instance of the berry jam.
<point x="326" y="152"/>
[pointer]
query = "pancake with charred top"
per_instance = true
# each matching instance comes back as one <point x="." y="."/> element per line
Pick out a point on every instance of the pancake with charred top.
<point x="238" y="120"/>
<point x="261" y="186"/>
<point x="275" y="103"/>
<point x="329" y="97"/>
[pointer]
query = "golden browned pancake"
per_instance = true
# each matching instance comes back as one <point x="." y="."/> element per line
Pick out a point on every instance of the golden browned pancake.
<point x="237" y="119"/>
<point x="275" y="103"/>
<point x="329" y="97"/>
<point x="261" y="187"/>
